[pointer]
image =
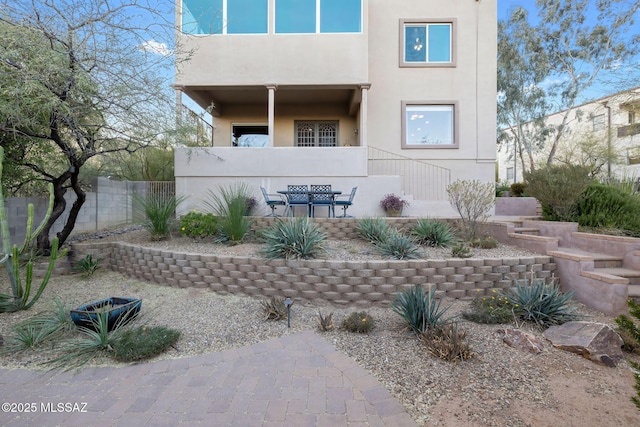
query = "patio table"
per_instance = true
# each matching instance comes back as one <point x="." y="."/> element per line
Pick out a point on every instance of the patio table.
<point x="309" y="195"/>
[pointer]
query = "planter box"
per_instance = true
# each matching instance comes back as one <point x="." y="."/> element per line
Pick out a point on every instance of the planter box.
<point x="119" y="310"/>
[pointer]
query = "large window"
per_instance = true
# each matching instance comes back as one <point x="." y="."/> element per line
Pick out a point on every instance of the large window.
<point x="225" y="16"/>
<point x="429" y="125"/>
<point x="318" y="16"/>
<point x="425" y="43"/>
<point x="316" y="134"/>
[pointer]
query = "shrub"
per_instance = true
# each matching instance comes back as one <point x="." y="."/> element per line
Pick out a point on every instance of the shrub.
<point x="486" y="242"/>
<point x="430" y="232"/>
<point x="604" y="205"/>
<point x="398" y="246"/>
<point x="541" y="302"/>
<point x="325" y="322"/>
<point x="472" y="200"/>
<point x="88" y="265"/>
<point x="632" y="330"/>
<point x="274" y="309"/>
<point x="460" y="250"/>
<point x="374" y="230"/>
<point x="159" y="211"/>
<point x="447" y="342"/>
<point x="492" y="309"/>
<point x="293" y="238"/>
<point x="517" y="189"/>
<point x="230" y="205"/>
<point x="391" y="202"/>
<point x="143" y="342"/>
<point x="419" y="310"/>
<point x="558" y="188"/>
<point x="358" y="321"/>
<point x="198" y="225"/>
<point x="502" y="187"/>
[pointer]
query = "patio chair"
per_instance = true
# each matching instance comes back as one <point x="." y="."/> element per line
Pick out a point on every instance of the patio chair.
<point x="321" y="195"/>
<point x="297" y="195"/>
<point x="345" y="203"/>
<point x="273" y="200"/>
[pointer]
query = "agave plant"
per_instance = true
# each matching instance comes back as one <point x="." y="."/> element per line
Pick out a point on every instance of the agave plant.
<point x="420" y="311"/>
<point x="373" y="230"/>
<point x="433" y="233"/>
<point x="398" y="246"/>
<point x="293" y="238"/>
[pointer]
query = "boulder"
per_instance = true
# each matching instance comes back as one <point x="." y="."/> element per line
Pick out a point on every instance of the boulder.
<point x="594" y="341"/>
<point x="521" y="340"/>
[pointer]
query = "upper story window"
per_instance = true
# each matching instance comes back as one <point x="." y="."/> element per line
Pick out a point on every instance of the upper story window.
<point x="318" y="16"/>
<point x="598" y="122"/>
<point x="225" y="16"/>
<point x="427" y="43"/>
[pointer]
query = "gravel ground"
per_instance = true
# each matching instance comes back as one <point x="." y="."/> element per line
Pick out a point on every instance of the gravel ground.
<point x="499" y="386"/>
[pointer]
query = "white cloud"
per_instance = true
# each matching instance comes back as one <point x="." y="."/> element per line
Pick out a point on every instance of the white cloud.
<point x="155" y="47"/>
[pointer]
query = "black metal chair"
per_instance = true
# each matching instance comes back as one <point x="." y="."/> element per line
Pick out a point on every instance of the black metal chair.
<point x="273" y="200"/>
<point x="321" y="195"/>
<point x="297" y="195"/>
<point x="345" y="203"/>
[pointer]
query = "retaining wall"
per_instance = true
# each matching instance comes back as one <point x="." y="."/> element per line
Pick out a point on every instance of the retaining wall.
<point x="358" y="283"/>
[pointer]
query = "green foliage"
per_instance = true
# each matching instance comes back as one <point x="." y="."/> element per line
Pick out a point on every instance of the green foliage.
<point x="274" y="309"/>
<point x="473" y="201"/>
<point x="447" y="342"/>
<point x="491" y="309"/>
<point x="609" y="206"/>
<point x="293" y="238"/>
<point x="159" y="211"/>
<point x="485" y="242"/>
<point x="540" y="302"/>
<point x="143" y="342"/>
<point x="502" y="187"/>
<point x="230" y="205"/>
<point x="41" y="328"/>
<point x="325" y="321"/>
<point x="460" y="250"/>
<point x="359" y="321"/>
<point x="419" y="310"/>
<point x="558" y="188"/>
<point x="430" y="232"/>
<point x="517" y="189"/>
<point x="631" y="330"/>
<point x="88" y="265"/>
<point x="198" y="225"/>
<point x="373" y="230"/>
<point x="391" y="202"/>
<point x="398" y="246"/>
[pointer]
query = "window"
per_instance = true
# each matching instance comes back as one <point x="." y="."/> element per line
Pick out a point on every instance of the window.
<point x="598" y="122"/>
<point x="316" y="134"/>
<point x="632" y="117"/>
<point x="427" y="43"/>
<point x="509" y="174"/>
<point x="318" y="16"/>
<point x="245" y="135"/>
<point x="225" y="16"/>
<point x="429" y="125"/>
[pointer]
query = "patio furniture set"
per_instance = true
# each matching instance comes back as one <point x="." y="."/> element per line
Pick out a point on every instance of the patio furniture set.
<point x="310" y="197"/>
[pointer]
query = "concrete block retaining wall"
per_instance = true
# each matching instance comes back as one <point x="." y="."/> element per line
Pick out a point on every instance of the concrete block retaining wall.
<point x="358" y="283"/>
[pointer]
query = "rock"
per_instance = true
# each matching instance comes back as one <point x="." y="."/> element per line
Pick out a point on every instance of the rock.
<point x="521" y="340"/>
<point x="594" y="341"/>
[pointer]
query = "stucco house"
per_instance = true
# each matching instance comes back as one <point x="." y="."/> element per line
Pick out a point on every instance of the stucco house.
<point x="606" y="125"/>
<point x="390" y="96"/>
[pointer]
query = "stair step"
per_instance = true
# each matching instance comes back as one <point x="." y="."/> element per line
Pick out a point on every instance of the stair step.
<point x="633" y="276"/>
<point x="527" y="230"/>
<point x="599" y="260"/>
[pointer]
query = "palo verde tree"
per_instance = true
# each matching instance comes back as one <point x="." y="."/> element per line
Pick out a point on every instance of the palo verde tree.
<point x="81" y="79"/>
<point x="546" y="67"/>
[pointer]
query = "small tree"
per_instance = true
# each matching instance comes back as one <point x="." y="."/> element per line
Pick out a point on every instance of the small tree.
<point x="473" y="200"/>
<point x="633" y="331"/>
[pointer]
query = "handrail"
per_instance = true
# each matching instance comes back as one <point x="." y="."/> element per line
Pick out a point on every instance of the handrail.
<point x="422" y="180"/>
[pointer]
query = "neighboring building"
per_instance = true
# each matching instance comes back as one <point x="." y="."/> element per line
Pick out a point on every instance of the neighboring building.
<point x="390" y="96"/>
<point x="610" y="124"/>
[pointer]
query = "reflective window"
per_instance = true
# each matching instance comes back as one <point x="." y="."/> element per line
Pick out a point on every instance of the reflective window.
<point x="202" y="16"/>
<point x="335" y="16"/>
<point x="247" y="16"/>
<point x="427" y="43"/>
<point x="428" y="125"/>
<point x="295" y="16"/>
<point x="340" y="16"/>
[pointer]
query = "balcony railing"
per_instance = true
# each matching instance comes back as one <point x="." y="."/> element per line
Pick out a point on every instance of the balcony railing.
<point x="629" y="130"/>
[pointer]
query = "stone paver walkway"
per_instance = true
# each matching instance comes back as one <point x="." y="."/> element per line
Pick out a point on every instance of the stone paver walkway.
<point x="296" y="380"/>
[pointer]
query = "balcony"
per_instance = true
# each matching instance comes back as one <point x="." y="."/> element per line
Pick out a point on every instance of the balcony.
<point x="629" y="130"/>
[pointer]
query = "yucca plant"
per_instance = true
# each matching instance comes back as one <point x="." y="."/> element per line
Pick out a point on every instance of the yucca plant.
<point x="159" y="212"/>
<point x="274" y="309"/>
<point x="230" y="205"/>
<point x="540" y="302"/>
<point x="398" y="246"/>
<point x="430" y="232"/>
<point x="325" y="321"/>
<point x="419" y="310"/>
<point x="373" y="230"/>
<point x="293" y="238"/>
<point x="447" y="342"/>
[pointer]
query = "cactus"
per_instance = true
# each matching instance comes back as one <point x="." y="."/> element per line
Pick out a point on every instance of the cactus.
<point x="19" y="299"/>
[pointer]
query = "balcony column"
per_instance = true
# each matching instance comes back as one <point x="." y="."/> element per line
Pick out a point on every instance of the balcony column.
<point x="272" y="97"/>
<point x="364" y="114"/>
